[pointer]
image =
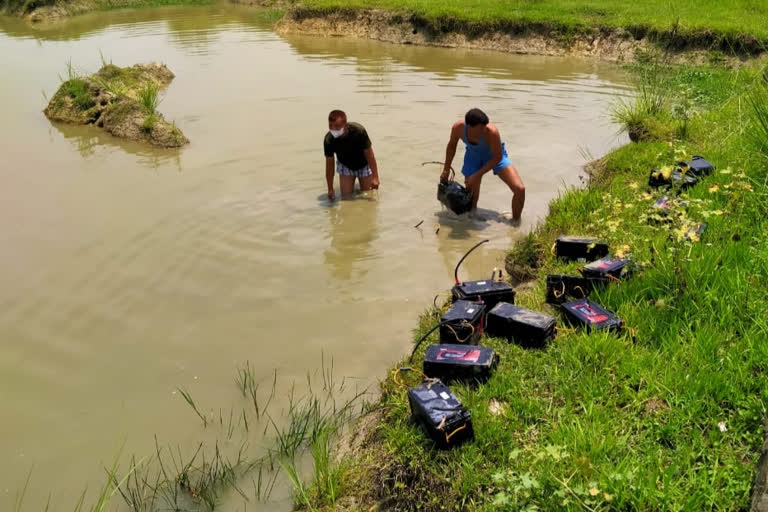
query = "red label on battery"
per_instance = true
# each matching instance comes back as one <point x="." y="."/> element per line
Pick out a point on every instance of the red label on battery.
<point x="591" y="315"/>
<point x="458" y="355"/>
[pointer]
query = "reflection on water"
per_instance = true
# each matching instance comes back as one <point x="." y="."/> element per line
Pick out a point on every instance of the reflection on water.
<point x="118" y="285"/>
<point x="90" y="141"/>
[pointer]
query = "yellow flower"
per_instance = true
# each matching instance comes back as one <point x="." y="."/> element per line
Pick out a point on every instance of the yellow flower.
<point x="593" y="491"/>
<point x="633" y="185"/>
<point x="718" y="212"/>
<point x="713" y="189"/>
<point x="646" y="196"/>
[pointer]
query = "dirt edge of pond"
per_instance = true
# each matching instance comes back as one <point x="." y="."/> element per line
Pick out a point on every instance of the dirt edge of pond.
<point x="608" y="44"/>
<point x="112" y="99"/>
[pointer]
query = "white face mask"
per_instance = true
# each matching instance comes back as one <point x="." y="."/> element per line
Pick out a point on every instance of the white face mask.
<point x="337" y="133"/>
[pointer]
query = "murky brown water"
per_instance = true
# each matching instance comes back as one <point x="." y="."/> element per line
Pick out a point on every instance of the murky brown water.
<point x="127" y="272"/>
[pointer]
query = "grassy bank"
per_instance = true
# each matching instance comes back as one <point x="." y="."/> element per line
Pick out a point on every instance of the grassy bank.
<point x="45" y="9"/>
<point x="671" y="419"/>
<point x="731" y="25"/>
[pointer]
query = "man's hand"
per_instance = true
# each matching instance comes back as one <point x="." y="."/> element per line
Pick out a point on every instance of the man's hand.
<point x="375" y="183"/>
<point x="331" y="195"/>
<point x="444" y="175"/>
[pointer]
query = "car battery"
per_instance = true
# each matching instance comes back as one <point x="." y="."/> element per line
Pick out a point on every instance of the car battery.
<point x="698" y="166"/>
<point x="454" y="196"/>
<point x="562" y="288"/>
<point x="459" y="362"/>
<point x="462" y="323"/>
<point x="442" y="416"/>
<point x="489" y="292"/>
<point x="607" y="268"/>
<point x="523" y="326"/>
<point x="575" y="248"/>
<point x="678" y="178"/>
<point x="584" y="313"/>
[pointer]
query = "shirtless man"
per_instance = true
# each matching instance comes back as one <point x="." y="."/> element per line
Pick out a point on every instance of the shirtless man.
<point x="485" y="152"/>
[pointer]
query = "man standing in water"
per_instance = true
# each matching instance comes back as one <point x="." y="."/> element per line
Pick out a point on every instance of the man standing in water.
<point x="354" y="156"/>
<point x="484" y="152"/>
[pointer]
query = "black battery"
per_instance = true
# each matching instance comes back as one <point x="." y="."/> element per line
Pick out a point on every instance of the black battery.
<point x="462" y="323"/>
<point x="562" y="288"/>
<point x="488" y="291"/>
<point x="678" y="178"/>
<point x="575" y="248"/>
<point x="454" y="196"/>
<point x="523" y="326"/>
<point x="698" y="166"/>
<point x="607" y="268"/>
<point x="459" y="362"/>
<point x="584" y="313"/>
<point x="442" y="416"/>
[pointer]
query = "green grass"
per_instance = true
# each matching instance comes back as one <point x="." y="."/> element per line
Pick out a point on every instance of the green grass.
<point x="671" y="419"/>
<point x="21" y="7"/>
<point x="149" y="97"/>
<point x="727" y="21"/>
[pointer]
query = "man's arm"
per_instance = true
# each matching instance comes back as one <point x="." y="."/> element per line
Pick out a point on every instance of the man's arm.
<point x="371" y="158"/>
<point x="450" y="149"/>
<point x="329" y="177"/>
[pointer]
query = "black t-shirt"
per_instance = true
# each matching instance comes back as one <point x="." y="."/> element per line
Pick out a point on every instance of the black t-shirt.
<point x="349" y="147"/>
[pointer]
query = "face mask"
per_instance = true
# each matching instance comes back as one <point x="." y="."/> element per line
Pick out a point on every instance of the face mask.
<point x="337" y="133"/>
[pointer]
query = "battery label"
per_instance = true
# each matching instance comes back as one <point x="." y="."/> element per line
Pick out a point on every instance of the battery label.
<point x="447" y="354"/>
<point x="591" y="315"/>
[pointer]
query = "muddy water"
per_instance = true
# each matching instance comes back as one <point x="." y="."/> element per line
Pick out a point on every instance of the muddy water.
<point x="127" y="272"/>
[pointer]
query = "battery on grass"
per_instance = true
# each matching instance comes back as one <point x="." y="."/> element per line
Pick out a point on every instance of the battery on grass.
<point x="575" y="248"/>
<point x="698" y="166"/>
<point x="489" y="292"/>
<point x="592" y="316"/>
<point x="462" y="323"/>
<point x="523" y="326"/>
<point x="442" y="416"/>
<point x="607" y="268"/>
<point x="680" y="178"/>
<point x="562" y="288"/>
<point x="459" y="362"/>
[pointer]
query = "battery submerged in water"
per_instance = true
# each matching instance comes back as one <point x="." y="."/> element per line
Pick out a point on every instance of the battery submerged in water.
<point x="454" y="196"/>
<point x="607" y="268"/>
<point x="575" y="248"/>
<point x="523" y="326"/>
<point x="442" y="416"/>
<point x="459" y="362"/>
<point x="488" y="291"/>
<point x="561" y="288"/>
<point x="462" y="323"/>
<point x="584" y="313"/>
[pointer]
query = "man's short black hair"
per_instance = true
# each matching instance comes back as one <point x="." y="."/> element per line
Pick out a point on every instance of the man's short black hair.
<point x="336" y="114"/>
<point x="475" y="117"/>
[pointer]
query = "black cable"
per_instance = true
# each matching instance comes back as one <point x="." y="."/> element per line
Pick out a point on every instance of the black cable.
<point x="418" y="343"/>
<point x="456" y="270"/>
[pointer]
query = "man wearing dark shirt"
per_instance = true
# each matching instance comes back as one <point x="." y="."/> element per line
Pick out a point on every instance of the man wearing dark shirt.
<point x="354" y="156"/>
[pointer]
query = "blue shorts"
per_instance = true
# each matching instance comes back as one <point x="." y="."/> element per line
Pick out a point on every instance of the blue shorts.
<point x="472" y="164"/>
